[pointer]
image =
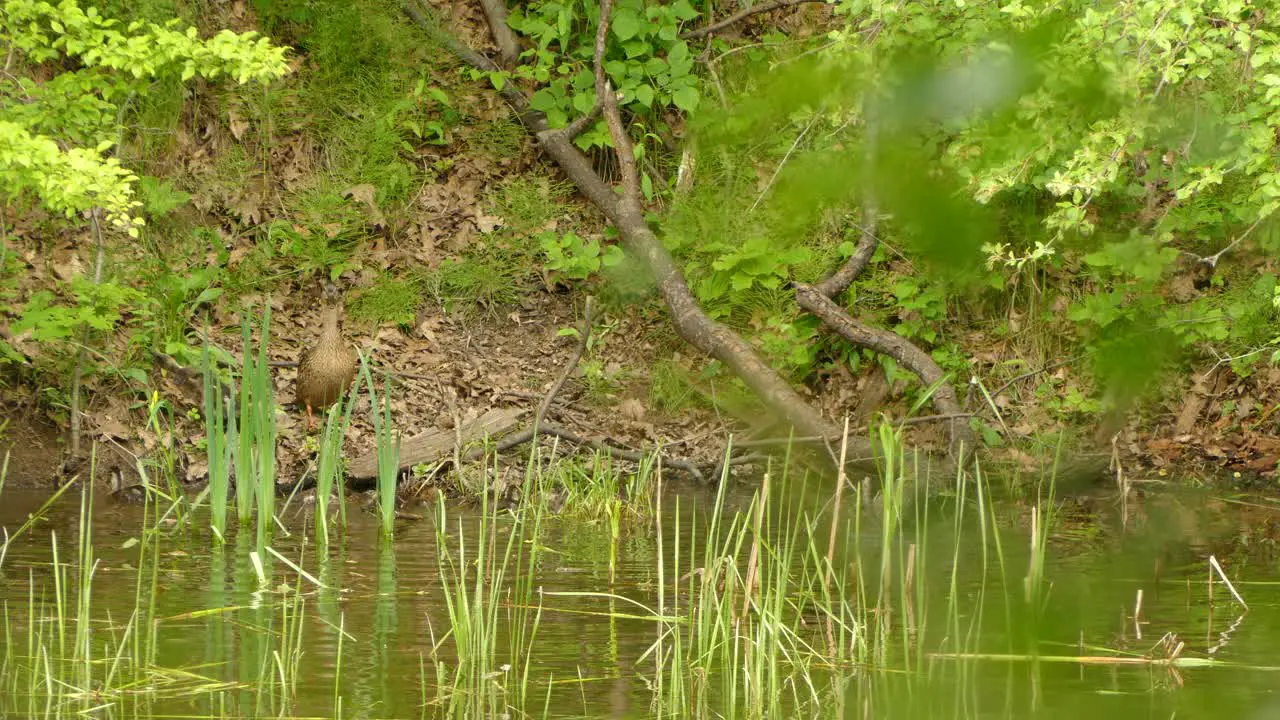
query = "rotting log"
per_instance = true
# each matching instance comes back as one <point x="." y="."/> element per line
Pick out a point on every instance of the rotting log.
<point x="435" y="445"/>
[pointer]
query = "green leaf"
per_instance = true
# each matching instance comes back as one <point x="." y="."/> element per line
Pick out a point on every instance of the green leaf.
<point x="626" y="24"/>
<point x="643" y="94"/>
<point x="686" y="98"/>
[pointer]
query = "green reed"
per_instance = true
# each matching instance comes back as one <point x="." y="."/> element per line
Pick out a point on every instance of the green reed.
<point x="217" y="442"/>
<point x="388" y="448"/>
<point x="474" y="585"/>
<point x="329" y="474"/>
<point x="247" y="436"/>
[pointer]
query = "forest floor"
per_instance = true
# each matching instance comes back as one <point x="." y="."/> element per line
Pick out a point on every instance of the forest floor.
<point x="436" y="246"/>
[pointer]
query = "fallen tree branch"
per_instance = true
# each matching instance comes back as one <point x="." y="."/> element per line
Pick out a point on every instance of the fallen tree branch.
<point x="819" y="300"/>
<point x="495" y="12"/>
<point x="627" y="215"/>
<point x="584" y="335"/>
<point x="742" y="15"/>
<point x="895" y="346"/>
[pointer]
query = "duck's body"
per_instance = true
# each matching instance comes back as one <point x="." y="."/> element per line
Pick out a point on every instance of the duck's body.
<point x="327" y="368"/>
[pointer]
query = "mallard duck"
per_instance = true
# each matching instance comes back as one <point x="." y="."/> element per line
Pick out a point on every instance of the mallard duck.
<point x="327" y="368"/>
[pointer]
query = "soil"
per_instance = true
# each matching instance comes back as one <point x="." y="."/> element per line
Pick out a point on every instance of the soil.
<point x="33" y="446"/>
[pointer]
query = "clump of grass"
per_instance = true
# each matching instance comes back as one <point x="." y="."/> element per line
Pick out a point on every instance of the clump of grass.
<point x="670" y="389"/>
<point x="393" y="300"/>
<point x="500" y="138"/>
<point x="252" y="438"/>
<point x="529" y="203"/>
<point x="477" y="585"/>
<point x="490" y="277"/>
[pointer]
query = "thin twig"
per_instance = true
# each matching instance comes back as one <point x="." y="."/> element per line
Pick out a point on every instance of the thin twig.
<point x="1031" y="373"/>
<point x="584" y="336"/>
<point x="783" y="162"/>
<point x="742" y="15"/>
<point x="1212" y="260"/>
<point x="77" y="376"/>
<point x="579" y="126"/>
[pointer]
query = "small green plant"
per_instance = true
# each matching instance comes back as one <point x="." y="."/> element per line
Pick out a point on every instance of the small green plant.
<point x="329" y="473"/>
<point x="98" y="307"/>
<point x="217" y="443"/>
<point x="576" y="258"/>
<point x="646" y="61"/>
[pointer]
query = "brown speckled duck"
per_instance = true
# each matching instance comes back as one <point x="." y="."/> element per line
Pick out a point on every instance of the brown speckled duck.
<point x="326" y="369"/>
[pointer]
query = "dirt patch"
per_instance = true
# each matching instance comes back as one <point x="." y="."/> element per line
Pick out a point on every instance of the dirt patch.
<point x="34" y="448"/>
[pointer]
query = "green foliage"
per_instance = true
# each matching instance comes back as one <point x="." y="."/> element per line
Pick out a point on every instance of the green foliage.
<point x="646" y="60"/>
<point x="82" y="106"/>
<point x="394" y="300"/>
<point x="159" y="197"/>
<point x="68" y="182"/>
<point x="1081" y="151"/>
<point x="577" y="258"/>
<point x="97" y="306"/>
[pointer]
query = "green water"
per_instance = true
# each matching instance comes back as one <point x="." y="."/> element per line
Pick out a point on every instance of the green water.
<point x="588" y="656"/>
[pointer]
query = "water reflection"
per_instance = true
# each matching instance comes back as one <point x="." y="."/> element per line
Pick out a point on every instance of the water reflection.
<point x="374" y="640"/>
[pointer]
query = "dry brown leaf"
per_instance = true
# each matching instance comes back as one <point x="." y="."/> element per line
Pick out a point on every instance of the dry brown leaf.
<point x="237" y="124"/>
<point x="367" y="194"/>
<point x="632" y="409"/>
<point x="487" y="223"/>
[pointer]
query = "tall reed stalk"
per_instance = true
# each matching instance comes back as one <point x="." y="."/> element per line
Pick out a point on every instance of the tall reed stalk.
<point x="388" y="448"/>
<point x="217" y="442"/>
<point x="329" y="467"/>
<point x="252" y="439"/>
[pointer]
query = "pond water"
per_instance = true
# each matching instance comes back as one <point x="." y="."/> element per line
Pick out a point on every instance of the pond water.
<point x="177" y="625"/>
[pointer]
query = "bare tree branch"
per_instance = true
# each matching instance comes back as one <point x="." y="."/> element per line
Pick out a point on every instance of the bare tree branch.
<point x="626" y="213"/>
<point x="579" y="126"/>
<point x="742" y="15"/>
<point x="584" y="337"/>
<point x="895" y="346"/>
<point x="495" y="12"/>
<point x="841" y="279"/>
